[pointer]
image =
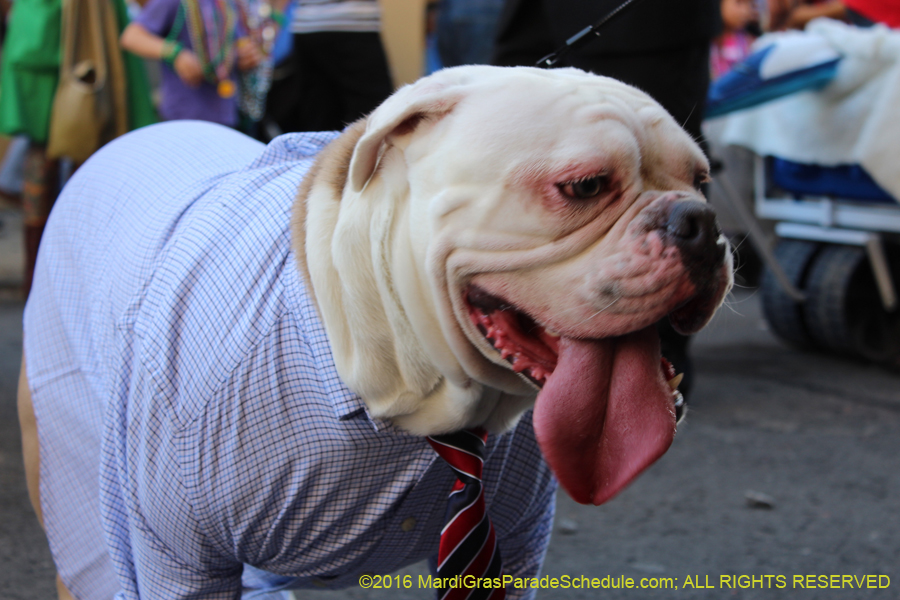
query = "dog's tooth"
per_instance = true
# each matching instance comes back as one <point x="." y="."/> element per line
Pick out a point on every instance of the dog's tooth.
<point x="551" y="332"/>
<point x="675" y="381"/>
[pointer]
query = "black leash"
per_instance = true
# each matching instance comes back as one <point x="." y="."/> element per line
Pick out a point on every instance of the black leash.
<point x="582" y="37"/>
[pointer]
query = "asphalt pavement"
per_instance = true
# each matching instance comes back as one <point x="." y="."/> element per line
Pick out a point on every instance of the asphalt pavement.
<point x="788" y="466"/>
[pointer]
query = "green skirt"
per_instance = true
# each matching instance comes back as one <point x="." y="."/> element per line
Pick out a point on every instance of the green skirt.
<point x="29" y="71"/>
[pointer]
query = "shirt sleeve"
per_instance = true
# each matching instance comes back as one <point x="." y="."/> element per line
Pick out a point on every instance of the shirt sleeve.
<point x="158" y="16"/>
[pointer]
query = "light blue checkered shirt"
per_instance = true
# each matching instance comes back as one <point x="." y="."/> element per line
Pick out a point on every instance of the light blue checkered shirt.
<point x="177" y="360"/>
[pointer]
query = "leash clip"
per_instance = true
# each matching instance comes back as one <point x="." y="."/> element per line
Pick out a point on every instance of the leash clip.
<point x="582" y="37"/>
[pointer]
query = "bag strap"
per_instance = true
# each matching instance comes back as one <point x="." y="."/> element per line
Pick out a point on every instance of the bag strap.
<point x="73" y="14"/>
<point x="116" y="70"/>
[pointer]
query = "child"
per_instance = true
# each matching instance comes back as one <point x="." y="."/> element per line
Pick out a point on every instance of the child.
<point x="202" y="44"/>
<point x="733" y="44"/>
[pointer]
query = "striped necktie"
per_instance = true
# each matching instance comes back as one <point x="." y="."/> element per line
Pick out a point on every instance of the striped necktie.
<point x="468" y="541"/>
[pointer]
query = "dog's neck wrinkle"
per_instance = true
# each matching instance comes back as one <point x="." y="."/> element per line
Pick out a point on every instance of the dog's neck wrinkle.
<point x="400" y="399"/>
<point x="402" y="384"/>
<point x="331" y="168"/>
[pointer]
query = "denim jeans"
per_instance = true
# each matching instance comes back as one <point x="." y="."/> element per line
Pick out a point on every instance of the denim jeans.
<point x="465" y="31"/>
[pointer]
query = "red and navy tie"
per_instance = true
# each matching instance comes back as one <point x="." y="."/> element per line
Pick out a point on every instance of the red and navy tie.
<point x="468" y="541"/>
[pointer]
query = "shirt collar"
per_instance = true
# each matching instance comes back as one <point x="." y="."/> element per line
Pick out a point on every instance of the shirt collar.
<point x="347" y="405"/>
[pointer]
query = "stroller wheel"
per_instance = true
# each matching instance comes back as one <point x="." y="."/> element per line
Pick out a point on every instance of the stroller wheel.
<point x="844" y="311"/>
<point x="785" y="315"/>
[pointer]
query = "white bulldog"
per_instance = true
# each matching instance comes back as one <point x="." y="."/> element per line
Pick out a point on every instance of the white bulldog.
<point x="486" y="241"/>
<point x="491" y="233"/>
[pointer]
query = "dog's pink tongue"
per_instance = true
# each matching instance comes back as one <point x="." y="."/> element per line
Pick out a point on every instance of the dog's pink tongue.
<point x="605" y="414"/>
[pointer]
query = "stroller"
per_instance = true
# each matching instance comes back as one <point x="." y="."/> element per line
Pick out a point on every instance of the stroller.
<point x="821" y="111"/>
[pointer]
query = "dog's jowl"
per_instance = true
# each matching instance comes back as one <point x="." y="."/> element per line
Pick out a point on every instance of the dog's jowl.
<point x="235" y="378"/>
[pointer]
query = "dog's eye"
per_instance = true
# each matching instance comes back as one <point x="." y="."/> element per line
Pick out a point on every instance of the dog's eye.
<point x="584" y="189"/>
<point x="700" y="178"/>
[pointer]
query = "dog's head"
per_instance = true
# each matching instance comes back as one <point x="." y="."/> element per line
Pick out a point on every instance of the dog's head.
<point x="492" y="234"/>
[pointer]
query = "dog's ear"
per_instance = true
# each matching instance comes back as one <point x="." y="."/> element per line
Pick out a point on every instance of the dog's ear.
<point x="429" y="98"/>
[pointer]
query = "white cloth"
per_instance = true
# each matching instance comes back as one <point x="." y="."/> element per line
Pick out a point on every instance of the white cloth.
<point x="855" y="119"/>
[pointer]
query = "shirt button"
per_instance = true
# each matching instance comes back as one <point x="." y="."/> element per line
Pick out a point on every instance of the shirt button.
<point x="408" y="524"/>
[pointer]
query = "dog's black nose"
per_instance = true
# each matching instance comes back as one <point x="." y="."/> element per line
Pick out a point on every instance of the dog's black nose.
<point x="693" y="229"/>
<point x="692" y="224"/>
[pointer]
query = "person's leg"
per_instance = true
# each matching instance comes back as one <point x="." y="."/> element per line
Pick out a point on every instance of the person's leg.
<point x="357" y="67"/>
<point x="284" y="97"/>
<point x="31" y="454"/>
<point x="465" y="31"/>
<point x="39" y="190"/>
<point x="523" y="34"/>
<point x="323" y="56"/>
<point x="302" y="98"/>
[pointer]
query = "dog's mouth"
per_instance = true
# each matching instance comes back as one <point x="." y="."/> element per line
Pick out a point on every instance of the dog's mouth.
<point x="607" y="408"/>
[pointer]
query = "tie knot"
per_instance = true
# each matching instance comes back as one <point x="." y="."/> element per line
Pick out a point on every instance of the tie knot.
<point x="462" y="450"/>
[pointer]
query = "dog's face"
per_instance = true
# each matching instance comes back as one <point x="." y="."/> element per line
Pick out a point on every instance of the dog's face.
<point x="526" y="229"/>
